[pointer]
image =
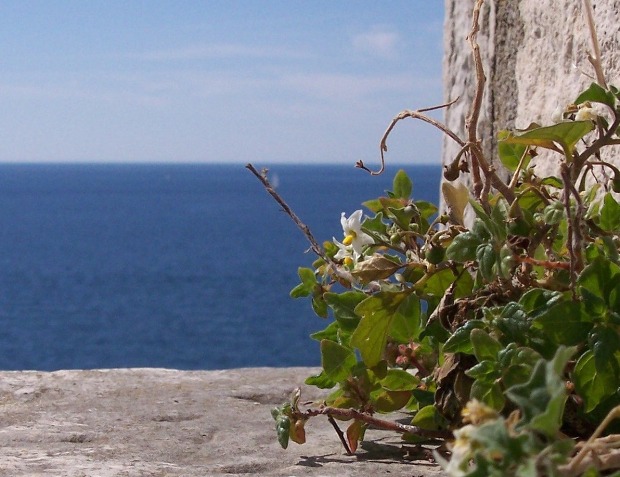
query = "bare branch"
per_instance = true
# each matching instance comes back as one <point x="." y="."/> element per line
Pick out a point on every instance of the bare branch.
<point x="334" y="424"/>
<point x="596" y="59"/>
<point x="314" y="245"/>
<point x="378" y="423"/>
<point x="471" y="122"/>
<point x="588" y="455"/>
<point x="417" y="114"/>
<point x="478" y="161"/>
<point x="316" y="248"/>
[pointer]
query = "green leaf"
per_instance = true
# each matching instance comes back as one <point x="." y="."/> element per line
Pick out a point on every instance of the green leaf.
<point x="554" y="213"/>
<point x="510" y="154"/>
<point x="382" y="204"/>
<point x="516" y="374"/>
<point x="480" y="230"/>
<point x="499" y="215"/>
<point x="565" y="134"/>
<point x="565" y="323"/>
<point x="435" y="331"/>
<point x="513" y="322"/>
<point x="505" y="262"/>
<point x="399" y="380"/>
<point x="437" y="284"/>
<point x="427" y="418"/>
<point x="376" y="224"/>
<point x="307" y="285"/>
<point x="463" y="247"/>
<point x="459" y="341"/>
<point x="542" y="398"/>
<point x="495" y="223"/>
<point x="328" y="333"/>
<point x="539" y="300"/>
<point x="553" y="181"/>
<point x="610" y="214"/>
<point x="485" y="346"/>
<point x="530" y="200"/>
<point x="426" y="209"/>
<point x="342" y="337"/>
<point x="487" y="257"/>
<point x="283" y="429"/>
<point x="389" y="401"/>
<point x="403" y="216"/>
<point x="402" y="185"/>
<point x="319" y="306"/>
<point x="423" y="397"/>
<point x="597" y="94"/>
<point x="594" y="381"/>
<point x="377" y="314"/>
<point x="605" y="343"/>
<point x="489" y="393"/>
<point x="601" y="278"/>
<point x="337" y="360"/>
<point x="343" y="306"/>
<point x="407" y="321"/>
<point x="486" y="370"/>
<point x="321" y="381"/>
<point x="374" y="205"/>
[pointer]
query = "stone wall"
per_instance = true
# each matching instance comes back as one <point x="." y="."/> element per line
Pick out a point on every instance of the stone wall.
<point x="535" y="58"/>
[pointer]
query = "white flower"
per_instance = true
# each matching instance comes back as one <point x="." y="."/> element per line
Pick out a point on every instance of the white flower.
<point x="353" y="234"/>
<point x="345" y="253"/>
<point x="585" y="113"/>
<point x="461" y="452"/>
<point x="478" y="412"/>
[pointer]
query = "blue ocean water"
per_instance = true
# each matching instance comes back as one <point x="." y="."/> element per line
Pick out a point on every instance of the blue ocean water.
<point x="178" y="266"/>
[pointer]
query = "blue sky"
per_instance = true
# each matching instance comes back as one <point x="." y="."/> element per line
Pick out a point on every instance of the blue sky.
<point x="217" y="80"/>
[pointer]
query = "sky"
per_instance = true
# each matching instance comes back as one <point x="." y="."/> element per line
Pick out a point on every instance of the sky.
<point x="217" y="81"/>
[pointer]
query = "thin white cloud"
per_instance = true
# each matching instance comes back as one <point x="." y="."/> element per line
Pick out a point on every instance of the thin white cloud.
<point x="348" y="86"/>
<point x="379" y="42"/>
<point x="216" y="51"/>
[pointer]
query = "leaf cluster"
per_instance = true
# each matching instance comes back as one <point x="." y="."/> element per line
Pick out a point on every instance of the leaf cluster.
<point x="517" y="310"/>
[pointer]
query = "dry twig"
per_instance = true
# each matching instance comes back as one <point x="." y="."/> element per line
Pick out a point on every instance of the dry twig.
<point x="377" y="423"/>
<point x="316" y="248"/>
<point x="417" y="114"/>
<point x="595" y="59"/>
<point x="601" y="453"/>
<point x="314" y="245"/>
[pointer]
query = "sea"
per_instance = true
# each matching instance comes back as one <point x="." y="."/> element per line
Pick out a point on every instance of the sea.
<point x="166" y="265"/>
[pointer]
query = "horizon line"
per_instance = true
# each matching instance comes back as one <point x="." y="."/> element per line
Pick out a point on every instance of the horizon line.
<point x="209" y="163"/>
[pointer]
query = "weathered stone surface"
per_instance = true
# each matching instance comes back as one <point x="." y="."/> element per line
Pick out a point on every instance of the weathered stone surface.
<point x="157" y="422"/>
<point x="535" y="55"/>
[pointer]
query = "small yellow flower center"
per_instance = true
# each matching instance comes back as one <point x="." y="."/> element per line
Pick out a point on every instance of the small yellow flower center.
<point x="348" y="240"/>
<point x="348" y="261"/>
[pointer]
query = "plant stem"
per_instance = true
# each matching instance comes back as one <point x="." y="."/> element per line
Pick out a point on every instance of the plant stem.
<point x="417" y="114"/>
<point x="314" y="245"/>
<point x="596" y="59"/>
<point x="334" y="424"/>
<point x="602" y="141"/>
<point x="478" y="161"/>
<point x="377" y="423"/>
<point x="574" y="240"/>
<point x="316" y="248"/>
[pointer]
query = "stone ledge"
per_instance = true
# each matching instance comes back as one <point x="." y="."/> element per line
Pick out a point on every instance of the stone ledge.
<point x="160" y="422"/>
